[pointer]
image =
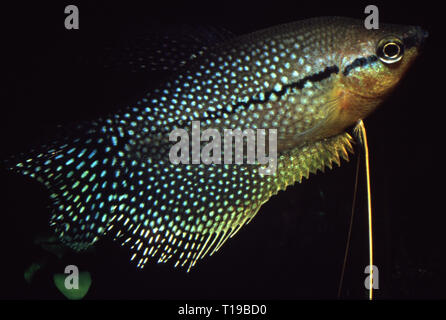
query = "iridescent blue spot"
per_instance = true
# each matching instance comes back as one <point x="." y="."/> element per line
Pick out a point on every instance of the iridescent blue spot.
<point x="81" y="154"/>
<point x="80" y="165"/>
<point x="91" y="155"/>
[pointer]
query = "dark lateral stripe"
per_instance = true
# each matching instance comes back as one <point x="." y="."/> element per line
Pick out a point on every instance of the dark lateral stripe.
<point x="326" y="73"/>
<point x="317" y="77"/>
<point x="359" y="62"/>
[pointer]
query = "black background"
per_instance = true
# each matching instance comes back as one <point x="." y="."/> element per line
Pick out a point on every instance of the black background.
<point x="294" y="248"/>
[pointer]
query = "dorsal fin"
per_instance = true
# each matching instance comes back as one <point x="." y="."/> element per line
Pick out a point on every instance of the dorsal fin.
<point x="161" y="48"/>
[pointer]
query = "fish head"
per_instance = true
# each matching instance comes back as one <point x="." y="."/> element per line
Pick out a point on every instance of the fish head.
<point x="374" y="61"/>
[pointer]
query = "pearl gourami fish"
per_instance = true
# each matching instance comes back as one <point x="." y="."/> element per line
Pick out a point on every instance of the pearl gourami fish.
<point x="310" y="80"/>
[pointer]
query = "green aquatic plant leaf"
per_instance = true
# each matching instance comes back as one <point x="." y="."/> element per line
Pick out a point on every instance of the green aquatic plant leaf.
<point x="73" y="294"/>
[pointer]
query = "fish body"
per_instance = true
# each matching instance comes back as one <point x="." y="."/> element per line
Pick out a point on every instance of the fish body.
<point x="309" y="80"/>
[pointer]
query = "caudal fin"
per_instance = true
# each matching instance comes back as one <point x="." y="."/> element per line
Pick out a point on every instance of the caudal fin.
<point x="78" y="174"/>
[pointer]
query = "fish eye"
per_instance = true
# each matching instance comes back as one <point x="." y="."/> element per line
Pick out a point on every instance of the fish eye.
<point x="390" y="50"/>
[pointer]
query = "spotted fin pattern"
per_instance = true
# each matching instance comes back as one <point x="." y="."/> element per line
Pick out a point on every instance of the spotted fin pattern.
<point x="159" y="209"/>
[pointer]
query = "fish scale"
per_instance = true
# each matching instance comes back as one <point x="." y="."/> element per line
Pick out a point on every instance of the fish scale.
<point x="113" y="176"/>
